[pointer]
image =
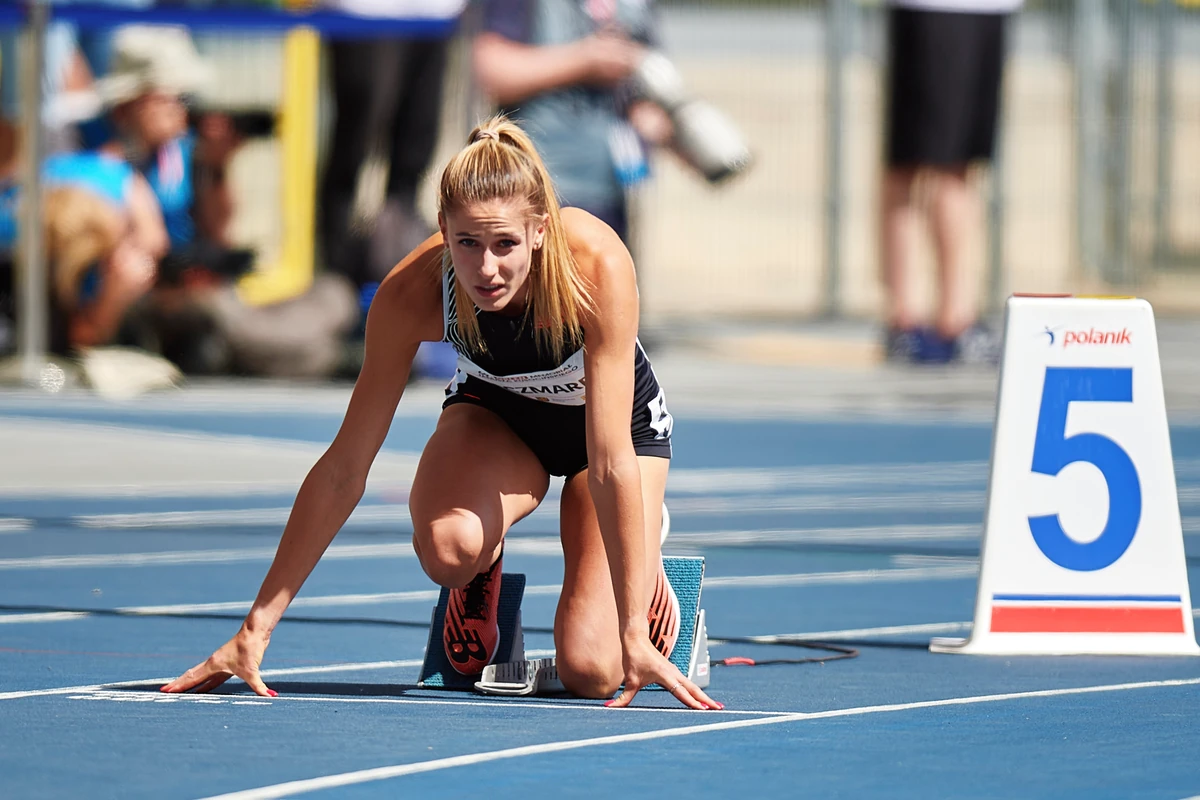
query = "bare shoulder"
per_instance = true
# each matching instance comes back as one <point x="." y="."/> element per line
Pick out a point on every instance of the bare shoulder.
<point x="602" y="258"/>
<point x="408" y="303"/>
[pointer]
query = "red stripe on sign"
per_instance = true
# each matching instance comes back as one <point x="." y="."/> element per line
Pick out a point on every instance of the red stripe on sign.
<point x="1089" y="619"/>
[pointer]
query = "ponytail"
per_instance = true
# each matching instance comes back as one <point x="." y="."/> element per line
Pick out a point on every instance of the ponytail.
<point x="501" y="162"/>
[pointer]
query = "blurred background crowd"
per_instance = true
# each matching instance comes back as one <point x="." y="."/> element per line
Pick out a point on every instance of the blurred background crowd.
<point x="223" y="190"/>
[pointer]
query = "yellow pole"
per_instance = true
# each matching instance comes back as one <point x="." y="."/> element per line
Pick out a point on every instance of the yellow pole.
<point x="293" y="274"/>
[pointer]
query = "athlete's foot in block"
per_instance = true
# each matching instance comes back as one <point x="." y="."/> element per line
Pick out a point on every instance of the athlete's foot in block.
<point x="663" y="615"/>
<point x="472" y="629"/>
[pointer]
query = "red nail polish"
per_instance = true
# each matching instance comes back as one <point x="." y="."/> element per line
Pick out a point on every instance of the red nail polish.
<point x="720" y="706"/>
<point x="704" y="706"/>
<point x="608" y="703"/>
<point x="273" y="693"/>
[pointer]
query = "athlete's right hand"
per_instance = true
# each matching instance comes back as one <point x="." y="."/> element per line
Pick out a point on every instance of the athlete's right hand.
<point x="240" y="656"/>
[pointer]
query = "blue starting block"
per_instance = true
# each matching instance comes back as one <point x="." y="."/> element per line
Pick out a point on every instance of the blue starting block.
<point x="438" y="673"/>
<point x="690" y="655"/>
<point x="512" y="674"/>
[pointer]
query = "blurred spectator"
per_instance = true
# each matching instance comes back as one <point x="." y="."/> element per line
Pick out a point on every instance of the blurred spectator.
<point x="103" y="236"/>
<point x="194" y="315"/>
<point x="96" y="44"/>
<point x="388" y="97"/>
<point x="153" y="68"/>
<point x="65" y="83"/>
<point x="561" y="68"/>
<point x="945" y="65"/>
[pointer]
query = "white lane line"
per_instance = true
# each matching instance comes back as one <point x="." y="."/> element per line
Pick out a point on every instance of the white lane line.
<point x="848" y="576"/>
<point x="397" y="514"/>
<point x="508" y="704"/>
<point x="752" y="479"/>
<point x="266" y="673"/>
<point x="392" y="513"/>
<point x="112" y="692"/>
<point x="855" y="633"/>
<point x="196" y="557"/>
<point x="48" y="616"/>
<point x="119" y="696"/>
<point x="384" y="773"/>
<point x="15" y="524"/>
<point x="947" y="572"/>
<point x="525" y="545"/>
<point x="369" y="665"/>
<point x="890" y="534"/>
<point x="316" y="601"/>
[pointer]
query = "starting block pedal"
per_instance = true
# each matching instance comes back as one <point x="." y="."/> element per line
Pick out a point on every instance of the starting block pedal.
<point x="437" y="671"/>
<point x="690" y="655"/>
<point x="518" y="677"/>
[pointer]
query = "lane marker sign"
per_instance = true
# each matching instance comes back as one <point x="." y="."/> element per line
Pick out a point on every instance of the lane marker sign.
<point x="1082" y="545"/>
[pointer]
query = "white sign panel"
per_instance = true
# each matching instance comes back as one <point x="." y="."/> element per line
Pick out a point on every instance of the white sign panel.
<point x="1082" y="549"/>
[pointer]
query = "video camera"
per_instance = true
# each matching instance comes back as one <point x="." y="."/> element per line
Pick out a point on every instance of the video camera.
<point x="247" y="124"/>
<point x="704" y="136"/>
<point x="214" y="259"/>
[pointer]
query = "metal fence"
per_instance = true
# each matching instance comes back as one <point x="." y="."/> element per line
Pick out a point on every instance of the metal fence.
<point x="1096" y="186"/>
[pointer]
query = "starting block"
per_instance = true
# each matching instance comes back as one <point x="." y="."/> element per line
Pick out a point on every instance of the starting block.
<point x="512" y="674"/>
<point x="438" y="673"/>
<point x="1082" y="547"/>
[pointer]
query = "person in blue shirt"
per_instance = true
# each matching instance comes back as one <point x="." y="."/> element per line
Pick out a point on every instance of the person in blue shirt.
<point x="153" y="68"/>
<point x="104" y="234"/>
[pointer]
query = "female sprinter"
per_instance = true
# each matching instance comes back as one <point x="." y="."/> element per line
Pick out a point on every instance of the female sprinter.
<point x="517" y="286"/>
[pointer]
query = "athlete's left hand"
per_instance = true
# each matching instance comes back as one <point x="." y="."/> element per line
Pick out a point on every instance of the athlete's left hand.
<point x="644" y="665"/>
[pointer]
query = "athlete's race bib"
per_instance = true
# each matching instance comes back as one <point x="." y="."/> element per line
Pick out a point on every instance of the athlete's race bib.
<point x="564" y="385"/>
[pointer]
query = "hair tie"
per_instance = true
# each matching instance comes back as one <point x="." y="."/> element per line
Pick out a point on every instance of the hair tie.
<point x="486" y="134"/>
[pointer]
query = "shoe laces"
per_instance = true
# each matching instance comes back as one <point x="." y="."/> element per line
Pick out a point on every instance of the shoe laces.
<point x="476" y="595"/>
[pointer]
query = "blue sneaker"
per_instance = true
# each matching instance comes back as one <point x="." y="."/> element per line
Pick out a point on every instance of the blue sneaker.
<point x="900" y="344"/>
<point x="978" y="345"/>
<point x="933" y="348"/>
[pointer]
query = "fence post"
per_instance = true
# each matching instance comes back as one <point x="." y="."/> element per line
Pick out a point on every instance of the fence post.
<point x="32" y="311"/>
<point x="1165" y="130"/>
<point x="1120" y="271"/>
<point x="294" y="271"/>
<point x="1090" y="187"/>
<point x="837" y="36"/>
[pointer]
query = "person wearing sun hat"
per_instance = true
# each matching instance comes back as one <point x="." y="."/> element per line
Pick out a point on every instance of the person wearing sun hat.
<point x="153" y="69"/>
<point x="197" y="319"/>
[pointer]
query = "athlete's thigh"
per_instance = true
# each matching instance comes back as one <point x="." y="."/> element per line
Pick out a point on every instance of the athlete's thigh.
<point x="587" y="610"/>
<point x="474" y="464"/>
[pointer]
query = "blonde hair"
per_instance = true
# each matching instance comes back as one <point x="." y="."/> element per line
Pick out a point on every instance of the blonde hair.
<point x="81" y="228"/>
<point x="500" y="162"/>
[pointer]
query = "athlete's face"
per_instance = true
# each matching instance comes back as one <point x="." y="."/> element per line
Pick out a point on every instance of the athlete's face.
<point x="491" y="246"/>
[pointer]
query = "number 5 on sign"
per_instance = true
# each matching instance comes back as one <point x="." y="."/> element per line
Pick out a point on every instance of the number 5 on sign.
<point x="1080" y="382"/>
<point x="1053" y="450"/>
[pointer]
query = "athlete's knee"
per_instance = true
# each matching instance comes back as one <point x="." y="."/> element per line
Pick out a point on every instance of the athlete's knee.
<point x="450" y="548"/>
<point x="588" y="674"/>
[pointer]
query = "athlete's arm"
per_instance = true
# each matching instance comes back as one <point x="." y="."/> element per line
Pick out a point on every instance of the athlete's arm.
<point x="614" y="477"/>
<point x="334" y="486"/>
<point x="511" y="72"/>
<point x="406" y="311"/>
